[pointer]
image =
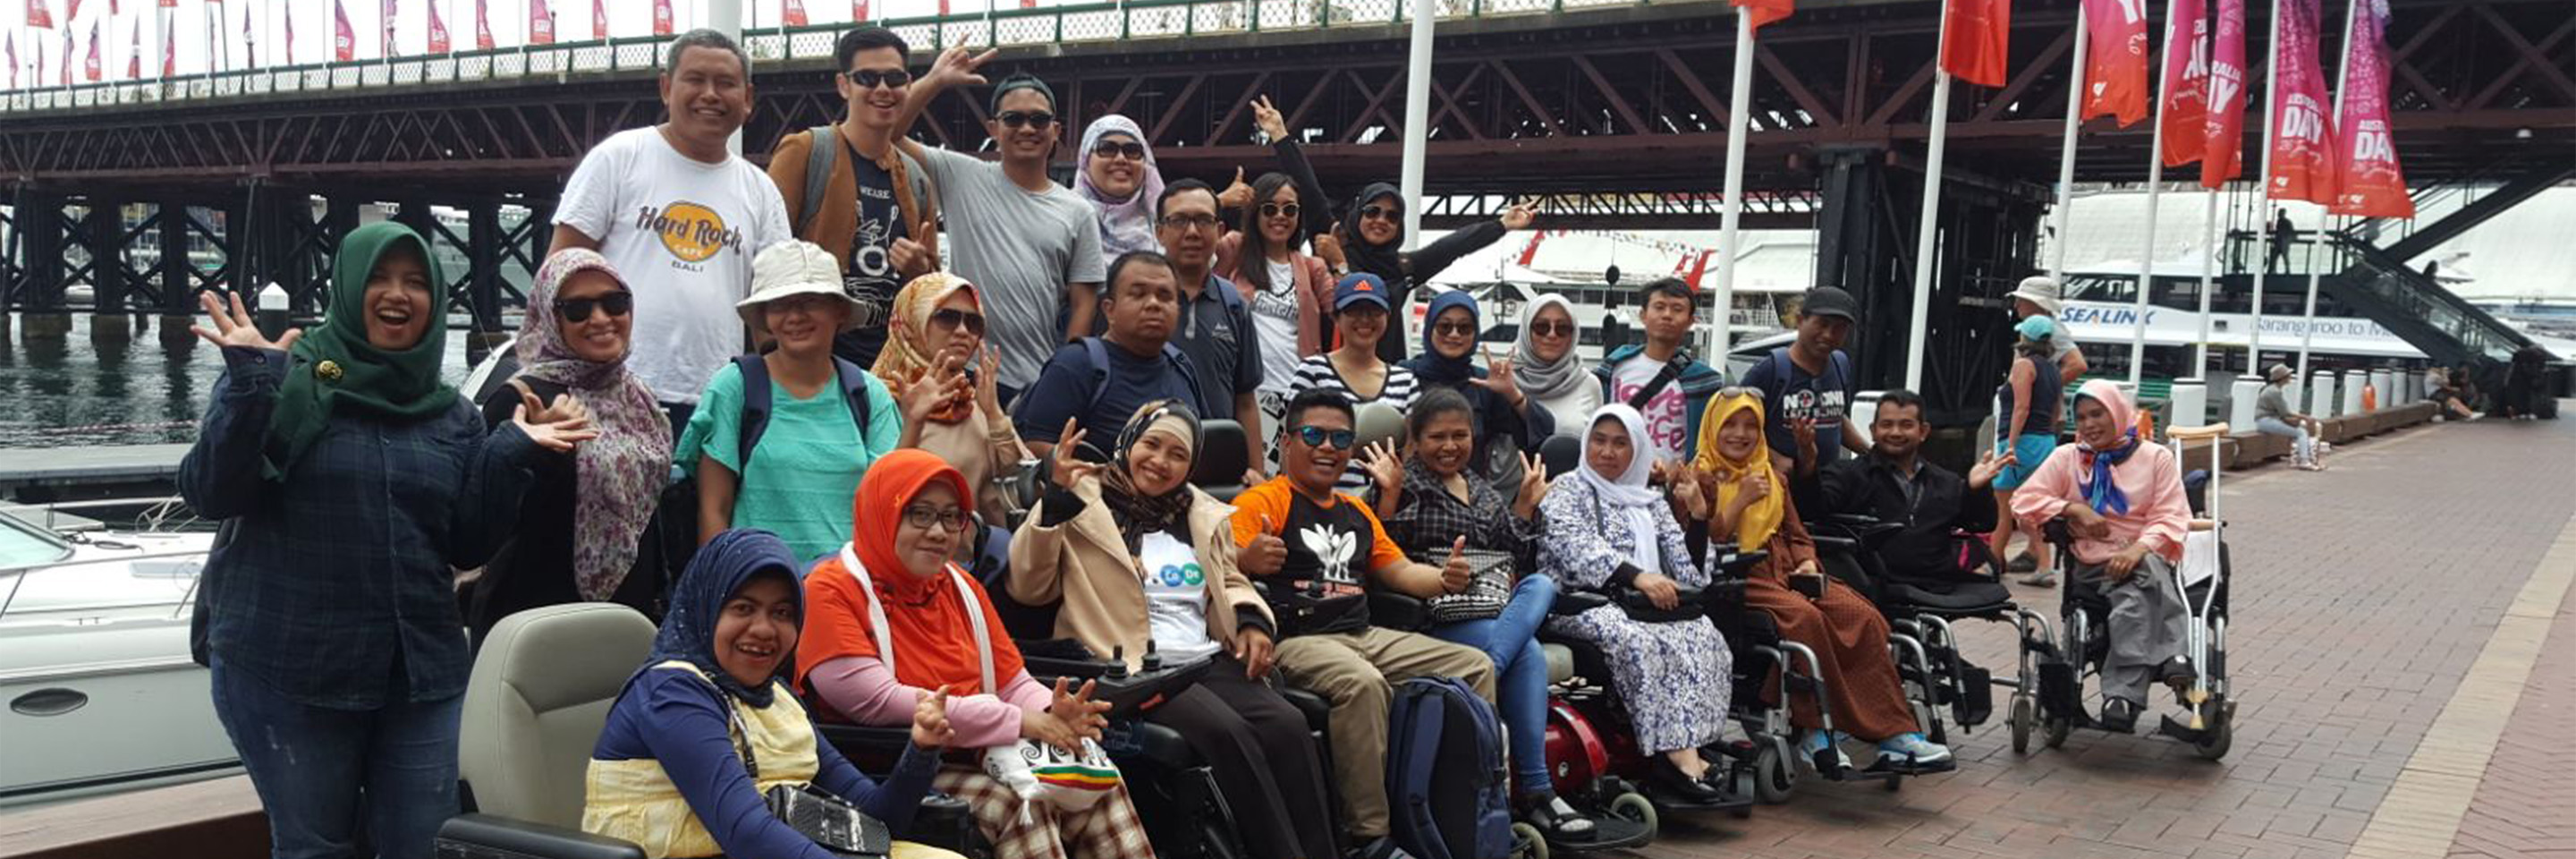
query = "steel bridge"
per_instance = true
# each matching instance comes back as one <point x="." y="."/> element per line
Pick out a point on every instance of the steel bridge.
<point x="1610" y="111"/>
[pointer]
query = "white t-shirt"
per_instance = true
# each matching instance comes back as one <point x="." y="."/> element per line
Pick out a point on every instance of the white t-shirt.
<point x="1667" y="418"/>
<point x="1176" y="599"/>
<point x="1021" y="248"/>
<point x="682" y="232"/>
<point x="1274" y="315"/>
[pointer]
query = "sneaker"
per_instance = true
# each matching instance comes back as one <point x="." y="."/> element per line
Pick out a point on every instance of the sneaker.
<point x="2040" y="579"/>
<point x="1816" y="741"/>
<point x="2022" y="563"/>
<point x="1911" y="749"/>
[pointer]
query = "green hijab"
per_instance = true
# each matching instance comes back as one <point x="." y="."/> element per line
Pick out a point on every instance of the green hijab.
<point x="336" y="372"/>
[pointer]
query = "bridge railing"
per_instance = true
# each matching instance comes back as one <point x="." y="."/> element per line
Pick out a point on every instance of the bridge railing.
<point x="1070" y="24"/>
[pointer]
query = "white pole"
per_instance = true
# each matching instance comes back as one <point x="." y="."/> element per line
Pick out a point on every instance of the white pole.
<point x="725" y="16"/>
<point x="2212" y="257"/>
<point x="2066" y="155"/>
<point x="2343" y="79"/>
<point x="1925" y="227"/>
<point x="2263" y="185"/>
<point x="1739" y="113"/>
<point x="1417" y="122"/>
<point x="2155" y="187"/>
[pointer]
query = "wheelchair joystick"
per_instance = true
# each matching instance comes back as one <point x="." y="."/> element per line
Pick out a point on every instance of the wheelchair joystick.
<point x="1118" y="663"/>
<point x="1153" y="660"/>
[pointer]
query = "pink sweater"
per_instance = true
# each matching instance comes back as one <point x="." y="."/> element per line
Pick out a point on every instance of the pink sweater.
<point x="2158" y="514"/>
<point x="863" y="691"/>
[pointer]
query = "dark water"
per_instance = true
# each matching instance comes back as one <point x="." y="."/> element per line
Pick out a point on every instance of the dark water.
<point x="74" y="391"/>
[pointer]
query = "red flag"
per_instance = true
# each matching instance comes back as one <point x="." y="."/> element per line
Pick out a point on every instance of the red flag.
<point x="2115" y="60"/>
<point x="541" y="24"/>
<point x="169" y="4"/>
<point x="1028" y="4"/>
<point x="943" y="8"/>
<point x="858" y="10"/>
<point x="392" y="10"/>
<point x="134" y="54"/>
<point x="1766" y="11"/>
<point x="599" y="20"/>
<point x="2186" y="77"/>
<point x="792" y="12"/>
<point x="111" y="9"/>
<point x="2303" y="155"/>
<point x="344" y="44"/>
<point x="89" y="66"/>
<point x="169" y="56"/>
<point x="285" y="16"/>
<point x="438" y="41"/>
<point x="662" y="17"/>
<point x="482" y="27"/>
<point x="1979" y="40"/>
<point x="2370" y="184"/>
<point x="39" y="17"/>
<point x="71" y="13"/>
<point x="2222" y="155"/>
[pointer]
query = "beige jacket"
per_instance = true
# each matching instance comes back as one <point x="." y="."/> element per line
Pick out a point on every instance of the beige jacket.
<point x="1084" y="563"/>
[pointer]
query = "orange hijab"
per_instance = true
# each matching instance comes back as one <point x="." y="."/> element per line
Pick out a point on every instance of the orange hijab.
<point x="925" y="618"/>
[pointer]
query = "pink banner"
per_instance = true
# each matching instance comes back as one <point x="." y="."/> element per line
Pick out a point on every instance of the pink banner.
<point x="10" y="42"/>
<point x="344" y="42"/>
<point x="89" y="66"/>
<point x="134" y="53"/>
<point x="39" y="17"/>
<point x="2303" y="155"/>
<point x="2370" y="185"/>
<point x="792" y="12"/>
<point x="599" y="20"/>
<point x="541" y="24"/>
<point x="859" y="11"/>
<point x="2222" y="154"/>
<point x="438" y="40"/>
<point x="387" y="13"/>
<point x="482" y="26"/>
<point x="2186" y="78"/>
<point x="2115" y="60"/>
<point x="662" y="17"/>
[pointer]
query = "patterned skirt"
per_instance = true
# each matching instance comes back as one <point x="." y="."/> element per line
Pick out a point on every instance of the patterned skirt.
<point x="1674" y="678"/>
<point x="1107" y="830"/>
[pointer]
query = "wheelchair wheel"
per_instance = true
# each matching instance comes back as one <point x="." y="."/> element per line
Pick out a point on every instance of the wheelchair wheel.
<point x="1526" y="842"/>
<point x="2024" y="717"/>
<point x="2222" y="730"/>
<point x="1773" y="778"/>
<point x="2057" y="729"/>
<point x="1635" y="808"/>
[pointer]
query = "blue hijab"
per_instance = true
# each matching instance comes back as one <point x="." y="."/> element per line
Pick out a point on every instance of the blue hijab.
<point x="721" y="569"/>
<point x="1431" y="366"/>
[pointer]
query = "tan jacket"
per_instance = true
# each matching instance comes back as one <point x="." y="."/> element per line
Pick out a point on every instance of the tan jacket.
<point x="837" y="220"/>
<point x="1084" y="563"/>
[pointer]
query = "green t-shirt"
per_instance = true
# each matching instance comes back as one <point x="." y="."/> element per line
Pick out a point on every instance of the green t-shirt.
<point x="806" y="469"/>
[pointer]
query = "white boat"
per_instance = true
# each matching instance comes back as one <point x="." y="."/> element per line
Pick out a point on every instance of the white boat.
<point x="94" y="661"/>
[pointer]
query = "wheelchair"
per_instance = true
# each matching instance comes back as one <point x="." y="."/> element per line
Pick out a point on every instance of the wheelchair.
<point x="2063" y="664"/>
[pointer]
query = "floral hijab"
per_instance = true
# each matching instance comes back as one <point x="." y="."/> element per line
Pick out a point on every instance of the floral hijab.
<point x="618" y="477"/>
<point x="906" y="359"/>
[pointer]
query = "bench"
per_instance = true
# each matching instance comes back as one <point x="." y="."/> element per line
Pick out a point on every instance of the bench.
<point x="213" y="819"/>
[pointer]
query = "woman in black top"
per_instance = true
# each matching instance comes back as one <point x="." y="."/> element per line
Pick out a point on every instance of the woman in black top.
<point x="582" y="535"/>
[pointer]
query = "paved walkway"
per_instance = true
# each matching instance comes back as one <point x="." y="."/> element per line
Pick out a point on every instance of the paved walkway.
<point x="2401" y="642"/>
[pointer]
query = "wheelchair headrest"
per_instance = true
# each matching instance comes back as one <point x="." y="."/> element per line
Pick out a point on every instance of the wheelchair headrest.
<point x="1377" y="422"/>
<point x="1221" y="458"/>
<point x="1561" y="453"/>
<point x="538" y="696"/>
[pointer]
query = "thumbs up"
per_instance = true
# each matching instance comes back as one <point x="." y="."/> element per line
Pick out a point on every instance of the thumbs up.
<point x="1455" y="574"/>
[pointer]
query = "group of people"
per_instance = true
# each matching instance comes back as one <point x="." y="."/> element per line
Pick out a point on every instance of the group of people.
<point x="798" y="508"/>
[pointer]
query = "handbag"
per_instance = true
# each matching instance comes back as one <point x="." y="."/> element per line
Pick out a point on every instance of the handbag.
<point x="829" y="821"/>
<point x="1489" y="587"/>
<point x="1642" y="608"/>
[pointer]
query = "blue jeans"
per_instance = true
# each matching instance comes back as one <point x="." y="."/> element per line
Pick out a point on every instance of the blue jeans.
<point x="1511" y="640"/>
<point x="311" y="766"/>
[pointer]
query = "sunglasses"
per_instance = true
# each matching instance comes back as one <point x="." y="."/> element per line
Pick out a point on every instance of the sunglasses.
<point x="1131" y="151"/>
<point x="1739" y="391"/>
<point x="1454" y="329"/>
<point x="1018" y="118"/>
<point x="867" y="78"/>
<point x="1380" y="213"/>
<point x="1190" y="222"/>
<point x="578" y="309"/>
<point x="952" y="318"/>
<point x="1552" y="329"/>
<point x="954" y="519"/>
<point x="1315" y="436"/>
<point x="1273" y="210"/>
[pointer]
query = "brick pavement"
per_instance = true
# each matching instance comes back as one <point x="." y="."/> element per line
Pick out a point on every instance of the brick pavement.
<point x="2363" y="596"/>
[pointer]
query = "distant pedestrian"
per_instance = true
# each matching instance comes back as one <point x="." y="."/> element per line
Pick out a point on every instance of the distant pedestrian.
<point x="2026" y="428"/>
<point x="1662" y="379"/>
<point x="2283" y="233"/>
<point x="2039" y="295"/>
<point x="876" y="211"/>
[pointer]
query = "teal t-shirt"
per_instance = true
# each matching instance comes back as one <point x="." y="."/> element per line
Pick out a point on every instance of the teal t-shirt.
<point x="806" y="469"/>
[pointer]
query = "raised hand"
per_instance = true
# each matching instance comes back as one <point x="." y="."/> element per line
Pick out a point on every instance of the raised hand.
<point x="1069" y="466"/>
<point x="1804" y="430"/>
<point x="945" y="381"/>
<point x="1385" y="465"/>
<point x="1498" y="378"/>
<point x="988" y="391"/>
<point x="1755" y="485"/>
<point x="911" y="259"/>
<point x="1328" y="247"/>
<point x="1455" y="573"/>
<point x="237" y="328"/>
<point x="555" y="435"/>
<point x="1236" y="195"/>
<point x="1267" y="118"/>
<point x="1988" y="465"/>
<point x="956" y="67"/>
<point x="930" y="728"/>
<point x="1687" y="492"/>
<point x="1265" y="554"/>
<point x="1533" y="484"/>
<point x="1519" y="216"/>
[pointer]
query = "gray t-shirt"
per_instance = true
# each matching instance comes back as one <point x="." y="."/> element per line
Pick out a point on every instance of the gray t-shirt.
<point x="1021" y="249"/>
<point x="2272" y="404"/>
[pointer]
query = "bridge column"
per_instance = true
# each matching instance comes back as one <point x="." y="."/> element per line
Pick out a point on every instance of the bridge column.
<point x="483" y="238"/>
<point x="177" y="275"/>
<point x="40" y="297"/>
<point x="104" y="235"/>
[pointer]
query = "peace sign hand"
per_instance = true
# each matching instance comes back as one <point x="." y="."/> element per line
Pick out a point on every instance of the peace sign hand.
<point x="237" y="329"/>
<point x="1519" y="216"/>
<point x="1069" y="467"/>
<point x="1268" y="119"/>
<point x="1533" y="484"/>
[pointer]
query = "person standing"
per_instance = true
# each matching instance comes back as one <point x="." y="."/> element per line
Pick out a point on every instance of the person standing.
<point x="1548" y="370"/>
<point x="1373" y="238"/>
<point x="872" y="207"/>
<point x="1661" y="379"/>
<point x="1354" y="370"/>
<point x="1807" y="386"/>
<point x="1216" y="329"/>
<point x="2027" y="429"/>
<point x="1118" y="177"/>
<point x="2283" y="233"/>
<point x="2038" y="296"/>
<point x="2273" y="416"/>
<point x="681" y="217"/>
<point x="352" y="482"/>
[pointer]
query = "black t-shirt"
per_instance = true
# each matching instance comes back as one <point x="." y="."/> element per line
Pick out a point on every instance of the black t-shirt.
<point x="1320" y="588"/>
<point x="870" y="275"/>
<point x="1790" y="393"/>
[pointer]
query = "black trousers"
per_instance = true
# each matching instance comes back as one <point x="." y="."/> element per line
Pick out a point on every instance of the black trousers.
<point x="1256" y="744"/>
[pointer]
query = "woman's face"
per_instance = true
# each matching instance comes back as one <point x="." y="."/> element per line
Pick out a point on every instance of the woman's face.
<point x="1739" y="435"/>
<point x="1383" y="227"/>
<point x="1279" y="217"/>
<point x="1445" y="443"/>
<point x="1159" y="462"/>
<point x="1453" y="333"/>
<point x="2094" y="426"/>
<point x="1552" y="332"/>
<point x="1361" y="325"/>
<point x="955" y="329"/>
<point x="398" y="303"/>
<point x="1112" y="172"/>
<point x="805" y="323"/>
<point x="1609" y="449"/>
<point x="600" y="337"/>
<point x="756" y="630"/>
<point x="925" y="548"/>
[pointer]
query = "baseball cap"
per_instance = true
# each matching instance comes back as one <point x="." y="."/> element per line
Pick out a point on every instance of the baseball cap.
<point x="2038" y="289"/>
<point x="2036" y="328"/>
<point x="1021" y="81"/>
<point x="1359" y="287"/>
<point x="1829" y="301"/>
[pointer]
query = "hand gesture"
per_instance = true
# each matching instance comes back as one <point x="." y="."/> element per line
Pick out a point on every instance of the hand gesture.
<point x="1265" y="554"/>
<point x="1690" y="496"/>
<point x="1804" y="430"/>
<point x="1519" y="216"/>
<point x="988" y="391"/>
<point x="1254" y="649"/>
<point x="1533" y="483"/>
<point x="555" y="435"/>
<point x="1755" y="486"/>
<point x="1385" y="465"/>
<point x="930" y="729"/>
<point x="1236" y="195"/>
<point x="1498" y="378"/>
<point x="956" y="67"/>
<point x="2125" y="562"/>
<point x="911" y="259"/>
<point x="1988" y="465"/>
<point x="943" y="383"/>
<point x="1067" y="465"/>
<point x="1658" y="590"/>
<point x="1328" y="247"/>
<point x="1456" y="573"/>
<point x="1078" y="711"/>
<point x="1267" y="118"/>
<point x="563" y="408"/>
<point x="237" y="328"/>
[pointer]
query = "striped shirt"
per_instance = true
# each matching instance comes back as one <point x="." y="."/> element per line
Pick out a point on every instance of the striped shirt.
<point x="1317" y="372"/>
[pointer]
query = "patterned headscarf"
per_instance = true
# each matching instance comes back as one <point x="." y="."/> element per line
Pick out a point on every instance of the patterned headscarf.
<point x="1139" y="514"/>
<point x="618" y="476"/>
<point x="1125" y="225"/>
<point x="715" y="575"/>
<point x="1763" y="515"/>
<point x="906" y="358"/>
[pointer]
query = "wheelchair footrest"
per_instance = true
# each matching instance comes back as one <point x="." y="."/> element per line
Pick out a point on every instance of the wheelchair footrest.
<point x="1608" y="833"/>
<point x="2177" y="730"/>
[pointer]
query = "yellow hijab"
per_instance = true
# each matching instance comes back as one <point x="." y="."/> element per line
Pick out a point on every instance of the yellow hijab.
<point x="1762" y="517"/>
<point x="904" y="360"/>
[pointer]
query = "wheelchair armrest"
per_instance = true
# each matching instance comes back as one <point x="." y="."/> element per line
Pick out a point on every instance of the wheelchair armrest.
<point x="1836" y="544"/>
<point x="1139" y="691"/>
<point x="945" y="822"/>
<point x="1734" y="565"/>
<point x="1572" y="602"/>
<point x="1400" y="612"/>
<point x="484" y="835"/>
<point x="1317" y="709"/>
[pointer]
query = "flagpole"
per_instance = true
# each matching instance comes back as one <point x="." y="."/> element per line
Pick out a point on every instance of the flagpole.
<point x="2066" y="154"/>
<point x="2263" y="185"/>
<point x="1730" y="221"/>
<point x="1417" y="122"/>
<point x="2343" y="81"/>
<point x="1924" y="227"/>
<point x="2155" y="187"/>
<point x="2212" y="258"/>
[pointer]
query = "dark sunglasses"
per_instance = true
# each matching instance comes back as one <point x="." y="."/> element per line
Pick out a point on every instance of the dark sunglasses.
<point x="1131" y="151"/>
<point x="1340" y="439"/>
<point x="1446" y="329"/>
<point x="1018" y="118"/>
<point x="955" y="520"/>
<point x="1552" y="329"/>
<point x="866" y="78"/>
<point x="1386" y="213"/>
<point x="578" y="309"/>
<point x="953" y="318"/>
<point x="1273" y="210"/>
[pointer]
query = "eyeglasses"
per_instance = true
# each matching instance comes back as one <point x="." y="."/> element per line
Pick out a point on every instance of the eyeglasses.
<point x="1340" y="439"/>
<point x="1454" y="329"/>
<point x="1273" y="210"/>
<point x="954" y="519"/>
<point x="1552" y="329"/>
<point x="1018" y="118"/>
<point x="952" y="318"/>
<point x="1190" y="222"/>
<point x="868" y="78"/>
<point x="1131" y="150"/>
<point x="1380" y="213"/>
<point x="578" y="309"/>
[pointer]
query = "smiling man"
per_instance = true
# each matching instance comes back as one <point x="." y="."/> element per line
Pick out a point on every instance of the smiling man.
<point x="681" y="217"/>
<point x="856" y="195"/>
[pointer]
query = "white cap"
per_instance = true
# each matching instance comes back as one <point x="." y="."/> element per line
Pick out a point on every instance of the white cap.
<point x="792" y="267"/>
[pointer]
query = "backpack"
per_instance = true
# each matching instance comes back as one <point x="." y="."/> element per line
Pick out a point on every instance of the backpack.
<point x="1448" y="795"/>
<point x="819" y="156"/>
<point x="1096" y="351"/>
<point x="756" y="396"/>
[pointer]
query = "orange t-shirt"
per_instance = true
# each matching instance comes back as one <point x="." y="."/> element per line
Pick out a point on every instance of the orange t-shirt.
<point x="1321" y="587"/>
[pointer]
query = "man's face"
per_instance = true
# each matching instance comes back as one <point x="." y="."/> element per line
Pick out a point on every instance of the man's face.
<point x="1188" y="228"/>
<point x="875" y="103"/>
<point x="1666" y="318"/>
<point x="1823" y="334"/>
<point x="1897" y="431"/>
<point x="1143" y="303"/>
<point x="1025" y="126"/>
<point x="1314" y="467"/>
<point x="706" y="93"/>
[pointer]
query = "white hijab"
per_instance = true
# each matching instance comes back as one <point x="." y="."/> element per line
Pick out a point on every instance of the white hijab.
<point x="1627" y="500"/>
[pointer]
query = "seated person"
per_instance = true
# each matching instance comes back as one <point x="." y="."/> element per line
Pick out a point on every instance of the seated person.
<point x="1605" y="529"/>
<point x="2123" y="498"/>
<point x="1434" y="506"/>
<point x="1135" y="554"/>
<point x="1499" y="411"/>
<point x="1931" y="505"/>
<point x="707" y="726"/>
<point x="1142" y="306"/>
<point x="895" y="620"/>
<point x="1319" y="574"/>
<point x="1743" y="499"/>
<point x="2273" y="416"/>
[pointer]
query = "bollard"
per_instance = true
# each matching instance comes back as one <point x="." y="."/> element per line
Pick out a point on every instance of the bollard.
<point x="2384" y="381"/>
<point x="2240" y="401"/>
<point x="2414" y="385"/>
<point x="2321" y="395"/>
<point x="273" y="303"/>
<point x="2353" y="382"/>
<point x="2190" y="401"/>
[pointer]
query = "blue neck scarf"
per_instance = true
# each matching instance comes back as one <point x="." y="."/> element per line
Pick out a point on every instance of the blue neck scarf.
<point x="2100" y="491"/>
<point x="729" y="562"/>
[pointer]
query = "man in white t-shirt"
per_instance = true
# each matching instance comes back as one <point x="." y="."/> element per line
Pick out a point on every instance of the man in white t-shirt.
<point x="1660" y="378"/>
<point x="681" y="217"/>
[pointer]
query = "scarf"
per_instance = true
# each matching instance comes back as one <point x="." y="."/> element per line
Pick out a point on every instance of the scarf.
<point x="719" y="571"/>
<point x="334" y="371"/>
<point x="1762" y="517"/>
<point x="1125" y="225"/>
<point x="1136" y="513"/>
<point x="617" y="477"/>
<point x="926" y="619"/>
<point x="1626" y="499"/>
<point x="2095" y="480"/>
<point x="1386" y="260"/>
<point x="1542" y="379"/>
<point x="906" y="358"/>
<point x="1438" y="369"/>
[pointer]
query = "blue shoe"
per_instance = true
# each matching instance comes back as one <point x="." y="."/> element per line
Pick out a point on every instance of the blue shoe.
<point x="1912" y="749"/>
<point x="1818" y="741"/>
